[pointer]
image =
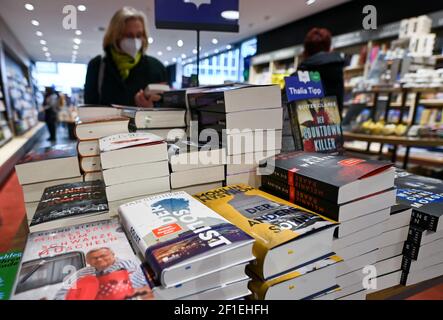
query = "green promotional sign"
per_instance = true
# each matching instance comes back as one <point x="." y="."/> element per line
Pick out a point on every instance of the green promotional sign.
<point x="9" y="263"/>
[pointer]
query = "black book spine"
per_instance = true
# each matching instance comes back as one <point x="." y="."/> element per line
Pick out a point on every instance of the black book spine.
<point x="301" y="198"/>
<point x="207" y="101"/>
<point x="306" y="184"/>
<point x="424" y="220"/>
<point x="411" y="250"/>
<point x="404" y="278"/>
<point x="174" y="100"/>
<point x="295" y="125"/>
<point x="415" y="235"/>
<point x="406" y="264"/>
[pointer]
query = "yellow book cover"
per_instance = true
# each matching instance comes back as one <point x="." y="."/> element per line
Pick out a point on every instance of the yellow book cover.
<point x="288" y="281"/>
<point x="273" y="222"/>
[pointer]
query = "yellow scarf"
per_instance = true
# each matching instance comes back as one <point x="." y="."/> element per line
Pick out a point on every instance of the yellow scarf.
<point x="124" y="62"/>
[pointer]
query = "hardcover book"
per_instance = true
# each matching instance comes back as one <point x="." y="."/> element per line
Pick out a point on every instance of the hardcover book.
<point x="9" y="264"/>
<point x="286" y="235"/>
<point x="69" y="204"/>
<point x="181" y="239"/>
<point x="48" y="163"/>
<point x="339" y="179"/>
<point x="309" y="280"/>
<point x="424" y="195"/>
<point x="318" y="123"/>
<point x="91" y="261"/>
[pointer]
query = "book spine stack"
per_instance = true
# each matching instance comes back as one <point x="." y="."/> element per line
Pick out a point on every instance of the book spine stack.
<point x="89" y="159"/>
<point x="362" y="223"/>
<point x="422" y="257"/>
<point x="135" y="172"/>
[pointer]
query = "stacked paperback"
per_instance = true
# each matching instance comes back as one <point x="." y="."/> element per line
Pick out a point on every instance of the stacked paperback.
<point x="44" y="167"/>
<point x="134" y="165"/>
<point x="247" y="119"/>
<point x="95" y="122"/>
<point x="293" y="247"/>
<point x="188" y="250"/>
<point x="423" y="250"/>
<point x="195" y="168"/>
<point x="70" y="204"/>
<point x="355" y="192"/>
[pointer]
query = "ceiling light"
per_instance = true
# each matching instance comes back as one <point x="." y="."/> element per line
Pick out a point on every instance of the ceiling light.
<point x="160" y="53"/>
<point x="47" y="54"/>
<point x="78" y="32"/>
<point x="194" y="51"/>
<point x="151" y="40"/>
<point x="168" y="48"/>
<point x="183" y="56"/>
<point x="309" y="2"/>
<point x="231" y="15"/>
<point x="74" y="53"/>
<point x="206" y="54"/>
<point x="39" y="33"/>
<point x="45" y="48"/>
<point x="180" y="43"/>
<point x="77" y="41"/>
<point x="166" y="63"/>
<point x="29" y="7"/>
<point x="214" y="41"/>
<point x="216" y="51"/>
<point x="229" y="47"/>
<point x="35" y="23"/>
<point x="43" y="42"/>
<point x="81" y="8"/>
<point x="75" y="47"/>
<point x="174" y="59"/>
<point x="183" y="63"/>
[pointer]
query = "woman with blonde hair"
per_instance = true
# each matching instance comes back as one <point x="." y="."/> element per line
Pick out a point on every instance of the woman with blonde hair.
<point x="123" y="72"/>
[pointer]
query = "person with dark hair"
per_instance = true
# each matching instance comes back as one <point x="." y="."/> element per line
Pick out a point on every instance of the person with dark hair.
<point x="51" y="103"/>
<point x="319" y="57"/>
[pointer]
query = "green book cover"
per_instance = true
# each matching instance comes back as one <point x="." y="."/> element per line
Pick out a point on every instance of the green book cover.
<point x="9" y="263"/>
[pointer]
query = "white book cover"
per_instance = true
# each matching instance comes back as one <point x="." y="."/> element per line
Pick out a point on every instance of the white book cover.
<point x="127" y="140"/>
<point x="178" y="236"/>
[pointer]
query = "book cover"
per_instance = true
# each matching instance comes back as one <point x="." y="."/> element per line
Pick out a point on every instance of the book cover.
<point x="85" y="262"/>
<point x="259" y="288"/>
<point x="270" y="220"/>
<point x="318" y="123"/>
<point x="424" y="195"/>
<point x="71" y="200"/>
<point x="173" y="228"/>
<point x="174" y="99"/>
<point x="127" y="140"/>
<point x="321" y="175"/>
<point x="9" y="264"/>
<point x="57" y="151"/>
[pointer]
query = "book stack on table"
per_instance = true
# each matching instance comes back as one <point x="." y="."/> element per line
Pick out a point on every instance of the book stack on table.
<point x="355" y="192"/>
<point x="248" y="121"/>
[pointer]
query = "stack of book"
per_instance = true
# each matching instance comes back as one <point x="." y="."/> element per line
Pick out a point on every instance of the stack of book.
<point x="70" y="204"/>
<point x="44" y="167"/>
<point x="92" y="261"/>
<point x="93" y="123"/>
<point x="423" y="250"/>
<point x="194" y="168"/>
<point x="168" y="123"/>
<point x="134" y="165"/>
<point x="293" y="248"/>
<point x="355" y="192"/>
<point x="248" y="120"/>
<point x="188" y="250"/>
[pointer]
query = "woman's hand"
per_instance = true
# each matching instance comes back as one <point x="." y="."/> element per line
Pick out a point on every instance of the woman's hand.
<point x="143" y="101"/>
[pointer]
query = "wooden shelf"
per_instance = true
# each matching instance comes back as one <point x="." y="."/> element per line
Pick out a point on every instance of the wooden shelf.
<point x="354" y="69"/>
<point x="394" y="140"/>
<point x="432" y="103"/>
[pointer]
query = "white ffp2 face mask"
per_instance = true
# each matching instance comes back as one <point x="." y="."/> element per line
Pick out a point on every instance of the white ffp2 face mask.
<point x="131" y="46"/>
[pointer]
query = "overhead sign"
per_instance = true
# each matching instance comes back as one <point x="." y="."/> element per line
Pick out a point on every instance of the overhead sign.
<point x="204" y="15"/>
<point x="304" y="85"/>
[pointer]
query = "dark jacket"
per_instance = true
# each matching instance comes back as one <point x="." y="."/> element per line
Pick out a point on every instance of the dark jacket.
<point x="330" y="65"/>
<point x="115" y="90"/>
